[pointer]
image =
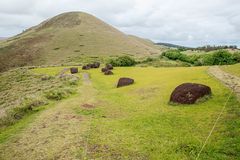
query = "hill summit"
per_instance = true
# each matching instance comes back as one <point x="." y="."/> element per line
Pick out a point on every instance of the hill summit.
<point x="69" y="36"/>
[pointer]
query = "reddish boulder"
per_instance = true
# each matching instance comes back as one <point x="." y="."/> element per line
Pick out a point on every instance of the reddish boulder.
<point x="104" y="69"/>
<point x="108" y="72"/>
<point x="74" y="70"/>
<point x="109" y="66"/>
<point x="189" y="93"/>
<point x="124" y="82"/>
<point x="85" y="67"/>
<point x="90" y="65"/>
<point x="96" y="64"/>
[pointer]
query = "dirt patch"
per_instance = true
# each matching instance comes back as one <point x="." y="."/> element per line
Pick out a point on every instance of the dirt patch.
<point x="86" y="78"/>
<point x="71" y="116"/>
<point x="229" y="80"/>
<point x="88" y="106"/>
<point x="146" y="93"/>
<point x="189" y="93"/>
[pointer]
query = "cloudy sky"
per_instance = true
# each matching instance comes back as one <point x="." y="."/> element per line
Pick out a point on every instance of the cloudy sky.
<point x="184" y="22"/>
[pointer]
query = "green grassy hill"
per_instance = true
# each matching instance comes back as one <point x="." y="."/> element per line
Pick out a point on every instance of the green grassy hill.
<point x="67" y="37"/>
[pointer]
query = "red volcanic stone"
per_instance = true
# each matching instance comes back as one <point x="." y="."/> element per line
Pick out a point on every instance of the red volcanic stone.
<point x="104" y="69"/>
<point x="85" y="67"/>
<point x="124" y="82"/>
<point x="74" y="70"/>
<point x="189" y="93"/>
<point x="109" y="66"/>
<point x="108" y="72"/>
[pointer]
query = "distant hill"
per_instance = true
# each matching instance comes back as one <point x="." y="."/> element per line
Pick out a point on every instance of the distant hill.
<point x="2" y="38"/>
<point x="68" y="36"/>
<point x="172" y="45"/>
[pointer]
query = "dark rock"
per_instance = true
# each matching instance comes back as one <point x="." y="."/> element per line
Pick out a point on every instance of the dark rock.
<point x="74" y="70"/>
<point x="96" y="64"/>
<point x="189" y="93"/>
<point x="124" y="82"/>
<point x="109" y="66"/>
<point x="104" y="69"/>
<point x="108" y="72"/>
<point x="85" y="67"/>
<point x="90" y="65"/>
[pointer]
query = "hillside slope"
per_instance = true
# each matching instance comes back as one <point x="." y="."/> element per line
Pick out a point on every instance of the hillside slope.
<point x="69" y="35"/>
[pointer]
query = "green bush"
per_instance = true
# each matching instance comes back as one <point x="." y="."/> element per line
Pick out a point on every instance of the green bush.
<point x="149" y="59"/>
<point x="122" y="61"/>
<point x="58" y="94"/>
<point x="172" y="54"/>
<point x="236" y="57"/>
<point x="221" y="57"/>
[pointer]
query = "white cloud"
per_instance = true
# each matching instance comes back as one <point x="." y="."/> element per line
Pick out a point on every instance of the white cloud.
<point x="186" y="22"/>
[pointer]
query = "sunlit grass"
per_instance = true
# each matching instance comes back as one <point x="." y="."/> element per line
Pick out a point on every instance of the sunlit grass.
<point x="140" y="123"/>
<point x="137" y="121"/>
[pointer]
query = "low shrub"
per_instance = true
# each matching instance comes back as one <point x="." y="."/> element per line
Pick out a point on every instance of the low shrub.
<point x="172" y="54"/>
<point x="33" y="101"/>
<point x="27" y="105"/>
<point x="122" y="61"/>
<point x="58" y="94"/>
<point x="236" y="57"/>
<point x="220" y="57"/>
<point x="149" y="59"/>
<point x="69" y="79"/>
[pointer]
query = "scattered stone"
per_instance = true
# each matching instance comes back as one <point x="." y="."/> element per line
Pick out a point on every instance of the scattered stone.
<point x="189" y="93"/>
<point x="96" y="64"/>
<point x="85" y="67"/>
<point x="124" y="82"/>
<point x="74" y="70"/>
<point x="108" y="72"/>
<point x="90" y="65"/>
<point x="109" y="66"/>
<point x="104" y="69"/>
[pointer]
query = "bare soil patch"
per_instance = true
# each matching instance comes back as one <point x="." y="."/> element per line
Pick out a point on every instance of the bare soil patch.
<point x="88" y="106"/>
<point x="229" y="80"/>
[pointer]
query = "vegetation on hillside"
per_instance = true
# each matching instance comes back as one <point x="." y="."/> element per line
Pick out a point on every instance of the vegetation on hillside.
<point x="22" y="91"/>
<point x="209" y="48"/>
<point x="219" y="57"/>
<point x="122" y="61"/>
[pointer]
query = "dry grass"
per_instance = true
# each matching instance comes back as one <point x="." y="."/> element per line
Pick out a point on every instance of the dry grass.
<point x="21" y="90"/>
<point x="67" y="36"/>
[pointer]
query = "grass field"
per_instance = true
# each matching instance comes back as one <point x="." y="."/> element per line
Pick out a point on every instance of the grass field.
<point x="232" y="69"/>
<point x="134" y="122"/>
